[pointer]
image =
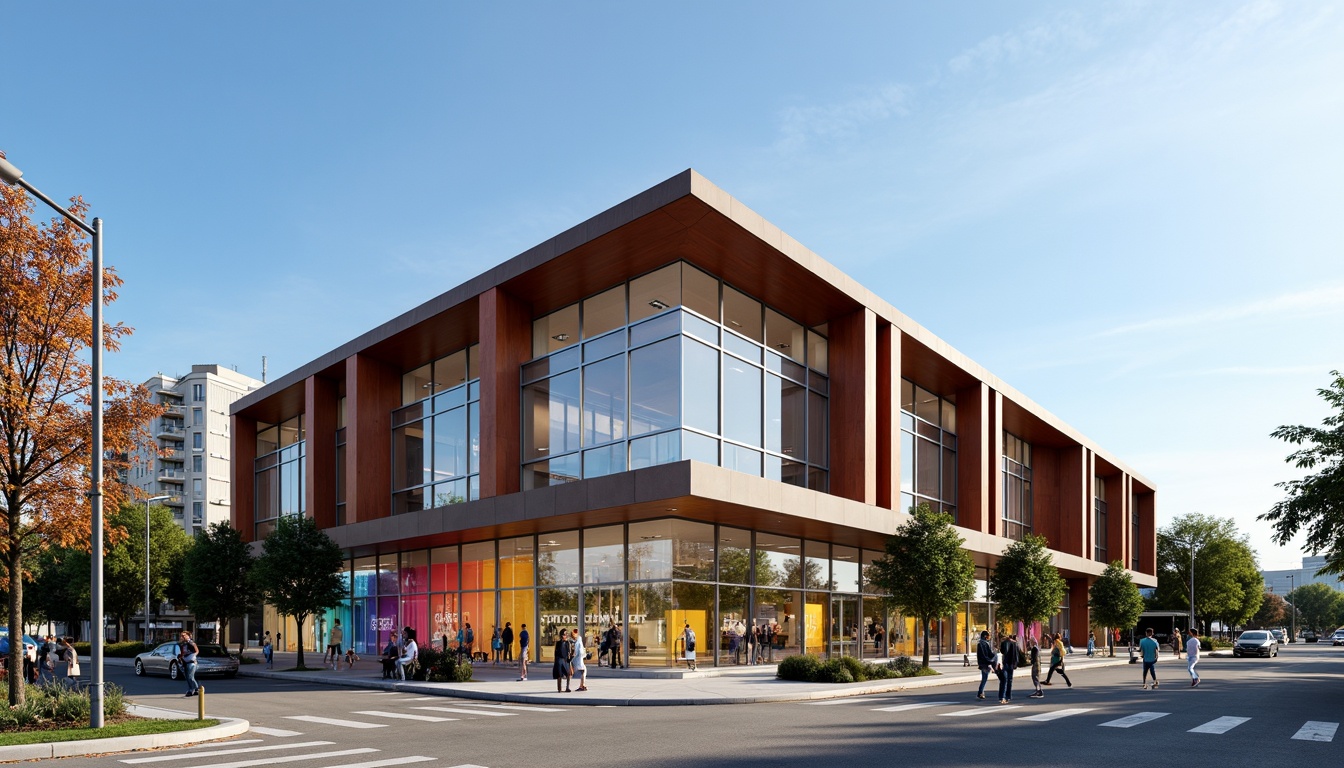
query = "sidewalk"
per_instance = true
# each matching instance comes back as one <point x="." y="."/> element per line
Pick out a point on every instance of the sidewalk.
<point x="633" y="687"/>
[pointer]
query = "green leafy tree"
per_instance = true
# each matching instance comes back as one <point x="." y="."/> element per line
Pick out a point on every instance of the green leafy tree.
<point x="1273" y="612"/>
<point x="925" y="570"/>
<point x="217" y="575"/>
<point x="1025" y="583"/>
<point x="1228" y="584"/>
<point x="60" y="588"/>
<point x="1318" y="604"/>
<point x="1114" y="601"/>
<point x="299" y="571"/>
<point x="124" y="565"/>
<point x="1316" y="502"/>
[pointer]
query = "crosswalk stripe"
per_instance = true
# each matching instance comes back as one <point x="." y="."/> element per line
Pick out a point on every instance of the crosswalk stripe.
<point x="334" y="721"/>
<point x="852" y="700"/>
<point x="404" y="716"/>
<point x="465" y="711"/>
<point x="1317" y="730"/>
<point x="908" y="707"/>
<point x="271" y="732"/>
<point x="1046" y="717"/>
<point x="229" y="751"/>
<point x="507" y="706"/>
<point x="287" y="758"/>
<point x="1221" y="725"/>
<point x="980" y="710"/>
<point x="1130" y="721"/>
<point x="388" y="762"/>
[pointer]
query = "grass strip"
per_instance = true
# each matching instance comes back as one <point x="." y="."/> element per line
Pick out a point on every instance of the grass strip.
<point x="140" y="727"/>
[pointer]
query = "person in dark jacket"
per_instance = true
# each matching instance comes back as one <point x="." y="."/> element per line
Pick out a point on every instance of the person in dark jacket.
<point x="562" y="669"/>
<point x="984" y="659"/>
<point x="508" y="641"/>
<point x="1011" y="660"/>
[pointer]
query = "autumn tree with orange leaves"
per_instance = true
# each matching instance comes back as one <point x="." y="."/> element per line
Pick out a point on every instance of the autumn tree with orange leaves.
<point x="46" y="330"/>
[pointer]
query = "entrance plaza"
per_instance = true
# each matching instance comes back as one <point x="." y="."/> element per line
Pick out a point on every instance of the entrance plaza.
<point x="672" y="414"/>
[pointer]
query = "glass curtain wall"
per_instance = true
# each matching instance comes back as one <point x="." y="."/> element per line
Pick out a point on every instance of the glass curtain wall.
<point x="436" y="436"/>
<point x="279" y="476"/>
<point x="674" y="365"/>
<point x="928" y="449"/>
<point x="1134" y="531"/>
<point x="1099" y="519"/>
<point x="1016" y="487"/>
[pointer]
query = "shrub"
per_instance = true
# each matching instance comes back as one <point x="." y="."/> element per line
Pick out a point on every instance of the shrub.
<point x="905" y="666"/>
<point x="834" y="671"/>
<point x="126" y="650"/>
<point x="802" y="668"/>
<point x="858" y="671"/>
<point x="446" y="669"/>
<point x="60" y="705"/>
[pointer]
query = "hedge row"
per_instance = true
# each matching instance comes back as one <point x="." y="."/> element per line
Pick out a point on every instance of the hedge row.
<point x="846" y="669"/>
<point x="57" y="705"/>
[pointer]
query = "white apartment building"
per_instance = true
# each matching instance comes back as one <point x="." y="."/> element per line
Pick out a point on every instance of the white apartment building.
<point x="192" y="436"/>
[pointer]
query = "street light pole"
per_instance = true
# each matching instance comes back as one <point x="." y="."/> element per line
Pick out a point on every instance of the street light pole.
<point x="1292" y="606"/>
<point x="12" y="176"/>
<point x="1190" y="544"/>
<point x="148" y="501"/>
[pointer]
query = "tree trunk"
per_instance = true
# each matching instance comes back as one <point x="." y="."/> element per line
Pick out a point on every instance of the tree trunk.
<point x="298" y="625"/>
<point x="926" y="643"/>
<point x="16" y="682"/>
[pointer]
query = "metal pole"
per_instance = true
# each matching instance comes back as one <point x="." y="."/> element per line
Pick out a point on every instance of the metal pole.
<point x="1192" y="586"/>
<point x="96" y="492"/>
<point x="1292" y="606"/>
<point x="146" y="571"/>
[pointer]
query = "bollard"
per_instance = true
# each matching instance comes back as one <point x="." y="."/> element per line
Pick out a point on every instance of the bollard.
<point x="200" y="703"/>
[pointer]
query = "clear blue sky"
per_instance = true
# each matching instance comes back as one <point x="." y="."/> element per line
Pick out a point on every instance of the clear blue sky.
<point x="1132" y="214"/>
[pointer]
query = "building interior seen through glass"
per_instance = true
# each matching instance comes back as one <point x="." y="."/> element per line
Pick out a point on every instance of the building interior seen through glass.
<point x="1016" y="487"/>
<point x="674" y="365"/>
<point x="279" y="473"/>
<point x="748" y="595"/>
<point x="928" y="449"/>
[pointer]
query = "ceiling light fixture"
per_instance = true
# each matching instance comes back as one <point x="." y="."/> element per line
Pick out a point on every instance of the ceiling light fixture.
<point x="656" y="304"/>
<point x="561" y="337"/>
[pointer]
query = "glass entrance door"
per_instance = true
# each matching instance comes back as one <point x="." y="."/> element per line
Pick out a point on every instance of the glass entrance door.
<point x="845" y="628"/>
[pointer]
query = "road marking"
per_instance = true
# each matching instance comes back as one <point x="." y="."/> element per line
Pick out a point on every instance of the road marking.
<point x="508" y="706"/>
<point x="1317" y="730"/>
<point x="238" y="751"/>
<point x="288" y="758"/>
<point x="1046" y="717"/>
<point x="271" y="732"/>
<point x="908" y="707"/>
<point x="386" y="693"/>
<point x="1133" y="720"/>
<point x="335" y="721"/>
<point x="851" y="700"/>
<point x="1221" y="725"/>
<point x="980" y="710"/>
<point x="465" y="711"/>
<point x="404" y="716"/>
<point x="389" y="761"/>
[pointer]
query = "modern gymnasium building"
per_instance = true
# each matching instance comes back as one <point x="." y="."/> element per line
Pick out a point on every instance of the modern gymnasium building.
<point x="672" y="412"/>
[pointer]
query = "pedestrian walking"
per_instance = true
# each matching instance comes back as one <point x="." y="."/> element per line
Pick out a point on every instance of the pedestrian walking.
<point x="507" y="638"/>
<point x="1057" y="660"/>
<point x="410" y="652"/>
<point x="984" y="659"/>
<point x="1177" y="643"/>
<point x="1150" y="650"/>
<point x="496" y="645"/>
<point x="268" y="650"/>
<point x="1192" y="658"/>
<point x="688" y="644"/>
<point x="187" y="653"/>
<point x="524" y="648"/>
<point x="750" y="636"/>
<point x="1034" y="655"/>
<point x="562" y="668"/>
<point x="1091" y="646"/>
<point x="334" y="642"/>
<point x="1010" y="660"/>
<point x="580" y="668"/>
<point x="468" y="640"/>
<point x="614" y="641"/>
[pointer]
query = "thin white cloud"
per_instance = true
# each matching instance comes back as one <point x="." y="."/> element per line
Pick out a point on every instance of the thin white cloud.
<point x="1327" y="300"/>
<point x="1033" y="41"/>
<point x="801" y="126"/>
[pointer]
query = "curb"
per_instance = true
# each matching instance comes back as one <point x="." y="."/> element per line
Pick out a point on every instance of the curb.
<point x="227" y="727"/>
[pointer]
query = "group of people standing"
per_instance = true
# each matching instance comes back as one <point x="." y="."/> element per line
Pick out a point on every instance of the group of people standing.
<point x="56" y="661"/>
<point x="1011" y="655"/>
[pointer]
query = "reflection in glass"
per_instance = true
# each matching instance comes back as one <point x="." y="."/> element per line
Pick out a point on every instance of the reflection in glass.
<point x="654" y="390"/>
<point x="558" y="558"/>
<point x="701" y="386"/>
<point x="604" y="401"/>
<point x="551" y="416"/>
<point x="742" y="401"/>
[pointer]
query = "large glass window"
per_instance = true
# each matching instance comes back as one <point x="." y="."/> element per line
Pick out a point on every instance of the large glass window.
<point x="1099" y="519"/>
<point x="1134" y="531"/>
<point x="928" y="449"/>
<point x="436" y="435"/>
<point x="1017" y="515"/>
<point x="278" y="475"/>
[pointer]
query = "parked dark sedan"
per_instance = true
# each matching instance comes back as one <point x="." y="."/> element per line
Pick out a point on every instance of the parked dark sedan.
<point x="212" y="660"/>
<point x="1255" y="642"/>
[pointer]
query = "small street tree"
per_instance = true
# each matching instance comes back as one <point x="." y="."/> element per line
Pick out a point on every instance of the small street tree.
<point x="46" y="328"/>
<point x="1025" y="583"/>
<point x="124" y="567"/>
<point x="299" y="571"/>
<point x="925" y="570"/>
<point x="1114" y="601"/>
<point x="217" y="575"/>
<point x="1318" y="605"/>
<point x="1273" y="612"/>
<point x="1316" y="502"/>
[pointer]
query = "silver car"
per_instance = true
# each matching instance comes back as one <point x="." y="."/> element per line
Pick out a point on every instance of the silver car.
<point x="212" y="660"/>
<point x="1255" y="642"/>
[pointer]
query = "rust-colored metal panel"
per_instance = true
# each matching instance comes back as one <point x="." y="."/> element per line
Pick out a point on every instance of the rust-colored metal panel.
<point x="242" y="484"/>
<point x="1072" y="507"/>
<point x="319" y="465"/>
<point x="853" y="370"/>
<point x="372" y="392"/>
<point x="506" y="343"/>
<point x="1117" y="518"/>
<point x="974" y="460"/>
<point x="1045" y="484"/>
<point x="1080" y="617"/>
<point x="996" y="464"/>
<point x="1147" y="530"/>
<point x="888" y="415"/>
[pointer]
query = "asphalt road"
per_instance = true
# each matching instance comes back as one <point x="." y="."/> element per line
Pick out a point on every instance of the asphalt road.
<point x="1247" y="711"/>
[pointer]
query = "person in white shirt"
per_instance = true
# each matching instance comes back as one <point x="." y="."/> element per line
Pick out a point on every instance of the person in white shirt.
<point x="1192" y="658"/>
<point x="409" y="652"/>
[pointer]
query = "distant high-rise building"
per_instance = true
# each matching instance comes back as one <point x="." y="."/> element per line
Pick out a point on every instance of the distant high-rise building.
<point x="1281" y="583"/>
<point x="192" y="442"/>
